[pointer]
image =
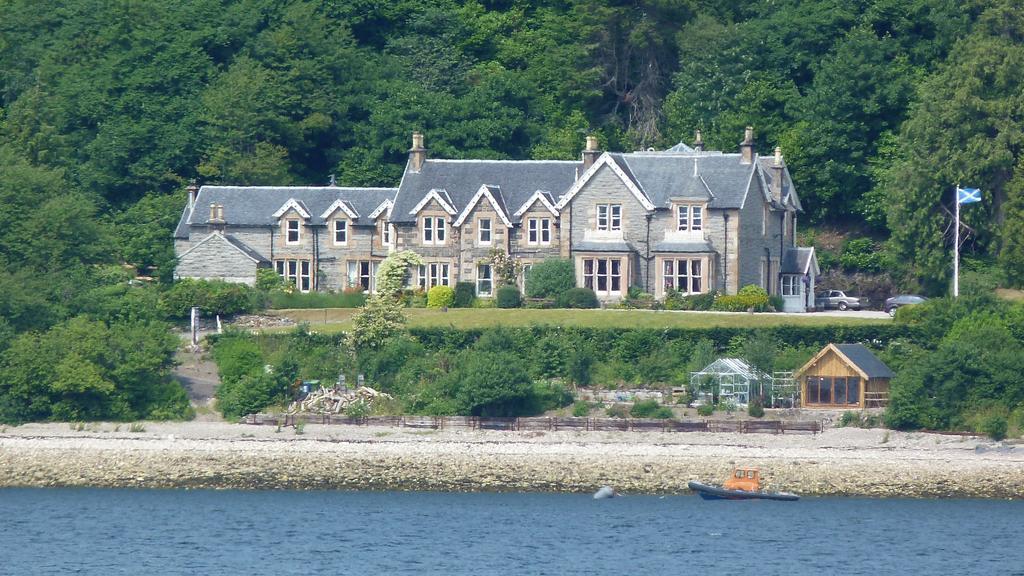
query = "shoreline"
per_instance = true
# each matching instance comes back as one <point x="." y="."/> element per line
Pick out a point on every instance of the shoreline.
<point x="838" y="462"/>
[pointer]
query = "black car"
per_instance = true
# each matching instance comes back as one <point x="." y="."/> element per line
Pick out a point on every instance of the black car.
<point x="895" y="302"/>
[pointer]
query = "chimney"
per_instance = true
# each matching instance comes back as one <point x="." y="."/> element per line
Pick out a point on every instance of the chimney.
<point x="417" y="154"/>
<point x="777" y="173"/>
<point x="193" y="192"/>
<point x="590" y="153"/>
<point x="217" y="217"/>
<point x="698" y="141"/>
<point x="747" y="146"/>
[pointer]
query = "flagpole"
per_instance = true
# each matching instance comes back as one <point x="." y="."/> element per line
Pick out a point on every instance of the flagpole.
<point x="956" y="245"/>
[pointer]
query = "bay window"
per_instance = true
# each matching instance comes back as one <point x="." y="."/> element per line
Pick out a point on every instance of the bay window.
<point x="684" y="275"/>
<point x="603" y="275"/>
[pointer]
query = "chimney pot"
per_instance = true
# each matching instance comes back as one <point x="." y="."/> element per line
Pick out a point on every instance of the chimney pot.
<point x="778" y="155"/>
<point x="213" y="212"/>
<point x="591" y="143"/>
<point x="698" y="141"/>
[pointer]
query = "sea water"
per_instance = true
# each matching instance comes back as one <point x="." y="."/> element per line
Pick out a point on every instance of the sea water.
<point x="107" y="531"/>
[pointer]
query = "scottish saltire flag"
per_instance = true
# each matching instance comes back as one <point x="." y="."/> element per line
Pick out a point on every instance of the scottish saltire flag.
<point x="967" y="195"/>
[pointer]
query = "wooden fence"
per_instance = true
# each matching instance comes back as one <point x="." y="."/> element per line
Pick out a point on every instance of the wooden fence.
<point x="544" y="424"/>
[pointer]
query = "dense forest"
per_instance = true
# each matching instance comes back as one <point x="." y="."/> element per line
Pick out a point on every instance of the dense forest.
<point x="109" y="108"/>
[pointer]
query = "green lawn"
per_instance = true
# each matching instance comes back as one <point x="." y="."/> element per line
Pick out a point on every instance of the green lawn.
<point x="336" y="319"/>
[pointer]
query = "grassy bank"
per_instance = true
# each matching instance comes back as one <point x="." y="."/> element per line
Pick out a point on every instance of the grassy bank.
<point x="339" y="319"/>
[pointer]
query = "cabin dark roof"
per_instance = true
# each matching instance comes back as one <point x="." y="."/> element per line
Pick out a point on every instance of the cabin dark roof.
<point x="256" y="205"/>
<point x="865" y="360"/>
<point x="517" y="181"/>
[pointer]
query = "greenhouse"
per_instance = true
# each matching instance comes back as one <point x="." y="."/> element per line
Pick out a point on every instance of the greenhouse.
<point x="732" y="380"/>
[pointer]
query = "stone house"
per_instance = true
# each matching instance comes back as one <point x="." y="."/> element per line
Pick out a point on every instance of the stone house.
<point x="685" y="219"/>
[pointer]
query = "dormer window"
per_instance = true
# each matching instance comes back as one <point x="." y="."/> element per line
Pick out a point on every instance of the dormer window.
<point x="609" y="217"/>
<point x="434" y="230"/>
<point x="689" y="218"/>
<point x="538" y="231"/>
<point x="340" y="232"/>
<point x="484" y="231"/>
<point x="291" y="231"/>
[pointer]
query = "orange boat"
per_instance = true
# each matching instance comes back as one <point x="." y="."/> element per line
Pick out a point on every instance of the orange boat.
<point x="744" y="484"/>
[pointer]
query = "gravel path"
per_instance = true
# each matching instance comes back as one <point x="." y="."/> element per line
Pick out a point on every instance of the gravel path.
<point x="842" y="461"/>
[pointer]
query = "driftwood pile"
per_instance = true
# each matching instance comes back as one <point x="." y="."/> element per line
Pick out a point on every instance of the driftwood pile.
<point x="335" y="401"/>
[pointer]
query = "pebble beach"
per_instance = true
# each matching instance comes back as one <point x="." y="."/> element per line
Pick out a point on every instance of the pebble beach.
<point x="837" y="462"/>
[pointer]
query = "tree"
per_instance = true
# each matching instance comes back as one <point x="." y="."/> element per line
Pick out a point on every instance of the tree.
<point x="965" y="129"/>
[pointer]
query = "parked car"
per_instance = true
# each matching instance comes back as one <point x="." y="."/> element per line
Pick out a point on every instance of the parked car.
<point x="895" y="302"/>
<point x="837" y="299"/>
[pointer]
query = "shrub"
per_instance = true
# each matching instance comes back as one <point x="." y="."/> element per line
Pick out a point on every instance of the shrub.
<point x="279" y="300"/>
<point x="250" y="394"/>
<point x="581" y="409"/>
<point x="440" y="297"/>
<point x="750" y="297"/>
<point x="508" y="297"/>
<point x="650" y="409"/>
<point x="706" y="409"/>
<point x="994" y="426"/>
<point x="755" y="409"/>
<point x="550" y="278"/>
<point x="489" y="384"/>
<point x="775" y="303"/>
<point x="465" y="294"/>
<point x="577" y="298"/>
<point x="548" y="395"/>
<point x="847" y="418"/>
<point x="211" y="296"/>
<point x="268" y="280"/>
<point x="617" y="411"/>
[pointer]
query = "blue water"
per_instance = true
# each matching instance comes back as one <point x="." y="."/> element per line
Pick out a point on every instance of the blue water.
<point x="93" y="531"/>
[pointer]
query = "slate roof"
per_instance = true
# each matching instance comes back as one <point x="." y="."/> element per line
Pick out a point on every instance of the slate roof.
<point x="683" y="247"/>
<point x="720" y="179"/>
<point x="796" y="260"/>
<point x="517" y="181"/>
<point x="591" y="246"/>
<point x="255" y="205"/>
<point x="246" y="249"/>
<point x="865" y="360"/>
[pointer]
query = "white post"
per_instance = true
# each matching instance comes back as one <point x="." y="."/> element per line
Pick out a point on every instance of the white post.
<point x="195" y="326"/>
<point x="956" y="245"/>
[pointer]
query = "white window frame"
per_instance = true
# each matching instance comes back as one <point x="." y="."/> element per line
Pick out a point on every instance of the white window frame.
<point x="545" y="231"/>
<point x="298" y="273"/>
<point x="385" y="233"/>
<point x="532" y="232"/>
<point x="360" y="271"/>
<point x="288" y="231"/>
<point x="791" y="285"/>
<point x="480" y="229"/>
<point x="340" y="226"/>
<point x="484" y="277"/>
<point x="609" y="217"/>
<point x="689" y="218"/>
<point x="606" y="272"/>
<point x="434" y="231"/>
<point x="305" y="276"/>
<point x="433" y="274"/>
<point x="684" y="272"/>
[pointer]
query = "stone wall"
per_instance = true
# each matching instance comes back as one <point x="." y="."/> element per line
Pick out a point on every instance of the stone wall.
<point x="217" y="259"/>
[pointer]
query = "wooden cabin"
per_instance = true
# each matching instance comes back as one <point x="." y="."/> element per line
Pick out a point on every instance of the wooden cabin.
<point x="844" y="376"/>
